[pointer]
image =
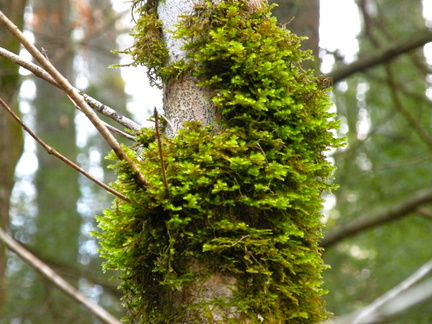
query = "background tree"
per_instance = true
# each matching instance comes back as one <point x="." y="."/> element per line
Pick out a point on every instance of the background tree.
<point x="384" y="172"/>
<point x="58" y="195"/>
<point x="55" y="203"/>
<point x="11" y="140"/>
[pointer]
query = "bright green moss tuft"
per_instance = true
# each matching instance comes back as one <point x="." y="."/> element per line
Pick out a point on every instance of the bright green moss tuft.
<point x="243" y="199"/>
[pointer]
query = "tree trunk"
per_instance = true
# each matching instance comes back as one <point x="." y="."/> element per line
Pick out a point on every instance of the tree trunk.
<point x="11" y="139"/>
<point x="183" y="100"/>
<point x="227" y="230"/>
<point x="302" y="18"/>
<point x="58" y="224"/>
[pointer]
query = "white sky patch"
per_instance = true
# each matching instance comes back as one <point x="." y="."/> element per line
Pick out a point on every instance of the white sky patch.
<point x="339" y="27"/>
<point x="427" y="12"/>
<point x="144" y="97"/>
<point x="428" y="53"/>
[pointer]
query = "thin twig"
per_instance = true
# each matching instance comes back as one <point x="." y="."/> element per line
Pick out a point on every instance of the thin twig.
<point x="240" y="239"/>
<point x="412" y="291"/>
<point x="57" y="280"/>
<point x="93" y="103"/>
<point x="158" y="137"/>
<point x="415" y="124"/>
<point x="76" y="97"/>
<point x="110" y="127"/>
<point x="52" y="151"/>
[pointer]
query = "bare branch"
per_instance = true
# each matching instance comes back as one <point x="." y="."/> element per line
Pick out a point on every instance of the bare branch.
<point x="405" y="295"/>
<point x="384" y="55"/>
<point x="93" y="103"/>
<point x="57" y="280"/>
<point x="75" y="96"/>
<point x="424" y="212"/>
<point x="52" y="151"/>
<point x="111" y="113"/>
<point x="390" y="214"/>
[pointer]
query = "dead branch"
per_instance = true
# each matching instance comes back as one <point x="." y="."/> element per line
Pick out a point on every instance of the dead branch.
<point x="111" y="113"/>
<point x="74" y="95"/>
<point x="384" y="55"/>
<point x="52" y="151"/>
<point x="363" y="223"/>
<point x="57" y="280"/>
<point x="415" y="124"/>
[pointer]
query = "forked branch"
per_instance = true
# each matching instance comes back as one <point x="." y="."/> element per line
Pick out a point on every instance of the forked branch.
<point x="74" y="94"/>
<point x="92" y="102"/>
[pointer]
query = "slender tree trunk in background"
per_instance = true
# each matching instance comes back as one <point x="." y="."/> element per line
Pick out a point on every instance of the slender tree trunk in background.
<point x="98" y="20"/>
<point x="56" y="183"/>
<point x="302" y="18"/>
<point x="58" y="223"/>
<point x="11" y="140"/>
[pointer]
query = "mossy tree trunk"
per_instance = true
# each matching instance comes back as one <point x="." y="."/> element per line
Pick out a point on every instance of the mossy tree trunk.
<point x="185" y="101"/>
<point x="227" y="230"/>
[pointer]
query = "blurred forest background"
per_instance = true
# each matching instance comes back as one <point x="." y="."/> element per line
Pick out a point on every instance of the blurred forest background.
<point x="379" y="222"/>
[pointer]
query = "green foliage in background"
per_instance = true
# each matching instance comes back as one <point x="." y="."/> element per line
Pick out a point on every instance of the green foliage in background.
<point x="386" y="161"/>
<point x="242" y="199"/>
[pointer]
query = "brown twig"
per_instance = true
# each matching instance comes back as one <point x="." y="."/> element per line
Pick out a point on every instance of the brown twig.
<point x="159" y="140"/>
<point x="75" y="95"/>
<point x="417" y="127"/>
<point x="239" y="240"/>
<point x="52" y="151"/>
<point x="57" y="280"/>
<point x="392" y="213"/>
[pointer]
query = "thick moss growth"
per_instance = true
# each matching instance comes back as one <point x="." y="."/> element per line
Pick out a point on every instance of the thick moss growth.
<point x="243" y="199"/>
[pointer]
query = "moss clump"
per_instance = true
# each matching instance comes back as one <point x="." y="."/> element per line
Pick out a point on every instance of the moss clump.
<point x="149" y="49"/>
<point x="244" y="198"/>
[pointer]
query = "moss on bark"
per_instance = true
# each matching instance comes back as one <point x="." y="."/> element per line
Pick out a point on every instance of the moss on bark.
<point x="242" y="199"/>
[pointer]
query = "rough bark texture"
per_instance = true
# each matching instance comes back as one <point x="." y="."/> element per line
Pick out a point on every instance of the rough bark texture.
<point x="11" y="140"/>
<point x="183" y="100"/>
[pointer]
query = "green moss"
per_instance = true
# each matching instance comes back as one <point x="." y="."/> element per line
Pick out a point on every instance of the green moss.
<point x="243" y="199"/>
<point x="148" y="49"/>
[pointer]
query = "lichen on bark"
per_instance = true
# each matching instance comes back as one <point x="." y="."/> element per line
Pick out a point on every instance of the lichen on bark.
<point x="233" y="235"/>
